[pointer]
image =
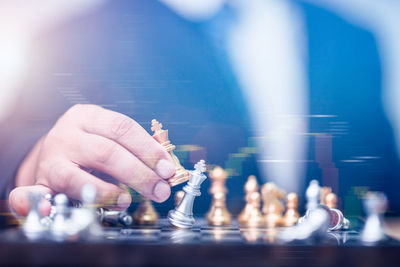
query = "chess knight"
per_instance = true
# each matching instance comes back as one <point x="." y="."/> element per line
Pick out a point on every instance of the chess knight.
<point x="161" y="136"/>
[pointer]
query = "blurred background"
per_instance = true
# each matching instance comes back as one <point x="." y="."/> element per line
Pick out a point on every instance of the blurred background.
<point x="287" y="90"/>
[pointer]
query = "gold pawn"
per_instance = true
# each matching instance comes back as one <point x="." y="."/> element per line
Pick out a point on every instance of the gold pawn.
<point x="331" y="201"/>
<point x="324" y="191"/>
<point x="218" y="214"/>
<point x="255" y="218"/>
<point x="250" y="187"/>
<point x="272" y="208"/>
<point x="145" y="214"/>
<point x="291" y="215"/>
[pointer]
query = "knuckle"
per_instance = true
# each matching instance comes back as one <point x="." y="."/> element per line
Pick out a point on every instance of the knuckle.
<point x="104" y="151"/>
<point x="59" y="176"/>
<point x="121" y="126"/>
<point x="79" y="109"/>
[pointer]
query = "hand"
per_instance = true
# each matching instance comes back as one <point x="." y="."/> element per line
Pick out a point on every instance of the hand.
<point x="90" y="137"/>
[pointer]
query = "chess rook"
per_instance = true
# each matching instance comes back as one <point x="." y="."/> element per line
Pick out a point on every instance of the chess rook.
<point x="161" y="136"/>
<point x="182" y="215"/>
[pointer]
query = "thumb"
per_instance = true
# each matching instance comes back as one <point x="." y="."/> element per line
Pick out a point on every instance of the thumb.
<point x="19" y="199"/>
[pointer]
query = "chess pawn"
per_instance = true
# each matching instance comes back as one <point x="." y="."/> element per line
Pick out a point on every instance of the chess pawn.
<point x="145" y="214"/>
<point x="324" y="191"/>
<point x="250" y="187"/>
<point x="60" y="227"/>
<point x="312" y="194"/>
<point x="272" y="208"/>
<point x="88" y="196"/>
<point x="375" y="204"/>
<point x="331" y="200"/>
<point x="291" y="215"/>
<point x="161" y="136"/>
<point x="178" y="197"/>
<point x="255" y="218"/>
<point x="114" y="217"/>
<point x="218" y="178"/>
<point x="218" y="214"/>
<point x="32" y="226"/>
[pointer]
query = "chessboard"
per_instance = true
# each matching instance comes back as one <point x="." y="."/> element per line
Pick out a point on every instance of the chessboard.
<point x="234" y="234"/>
<point x="201" y="245"/>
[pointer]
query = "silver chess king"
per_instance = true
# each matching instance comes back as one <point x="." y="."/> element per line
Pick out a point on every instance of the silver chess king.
<point x="182" y="215"/>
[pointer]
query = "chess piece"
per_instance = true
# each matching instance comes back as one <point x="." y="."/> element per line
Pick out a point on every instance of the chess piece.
<point x="88" y="196"/>
<point x="331" y="200"/>
<point x="114" y="217"/>
<point x="323" y="193"/>
<point x="250" y="187"/>
<point x="32" y="227"/>
<point x="161" y="136"/>
<point x="182" y="215"/>
<point x="218" y="214"/>
<point x="178" y="197"/>
<point x="291" y="215"/>
<point x="314" y="225"/>
<point x="218" y="178"/>
<point x="255" y="218"/>
<point x="273" y="207"/>
<point x="59" y="227"/>
<point x="312" y="194"/>
<point x="375" y="204"/>
<point x="337" y="220"/>
<point x="145" y="214"/>
<point x="84" y="222"/>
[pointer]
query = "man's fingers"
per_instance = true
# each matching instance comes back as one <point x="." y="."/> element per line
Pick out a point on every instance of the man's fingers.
<point x="19" y="199"/>
<point x="103" y="154"/>
<point x="69" y="178"/>
<point x="129" y="134"/>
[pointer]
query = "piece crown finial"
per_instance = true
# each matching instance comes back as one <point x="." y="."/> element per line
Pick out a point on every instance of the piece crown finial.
<point x="200" y="166"/>
<point x="156" y="126"/>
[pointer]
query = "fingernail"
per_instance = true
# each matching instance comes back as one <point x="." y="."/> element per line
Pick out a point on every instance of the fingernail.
<point x="162" y="191"/>
<point x="165" y="169"/>
<point x="124" y="200"/>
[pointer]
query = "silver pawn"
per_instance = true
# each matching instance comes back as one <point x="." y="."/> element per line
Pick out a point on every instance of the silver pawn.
<point x="182" y="215"/>
<point x="312" y="195"/>
<point x="47" y="221"/>
<point x="114" y="217"/>
<point x="375" y="204"/>
<point x="88" y="195"/>
<point x="32" y="227"/>
<point x="59" y="227"/>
